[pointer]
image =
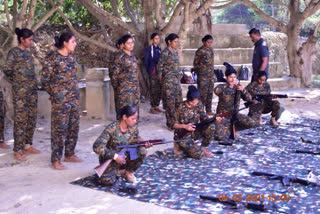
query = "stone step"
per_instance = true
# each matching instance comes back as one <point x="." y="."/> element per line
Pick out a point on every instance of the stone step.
<point x="276" y="84"/>
<point x="275" y="68"/>
<point x="220" y="41"/>
<point x="231" y="55"/>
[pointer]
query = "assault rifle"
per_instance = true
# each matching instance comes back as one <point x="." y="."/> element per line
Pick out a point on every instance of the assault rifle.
<point x="199" y="126"/>
<point x="308" y="152"/>
<point x="285" y="179"/>
<point x="131" y="152"/>
<point x="273" y="96"/>
<point x="240" y="204"/>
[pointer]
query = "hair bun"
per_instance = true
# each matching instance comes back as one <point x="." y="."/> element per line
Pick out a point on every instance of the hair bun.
<point x="192" y="88"/>
<point x="18" y="31"/>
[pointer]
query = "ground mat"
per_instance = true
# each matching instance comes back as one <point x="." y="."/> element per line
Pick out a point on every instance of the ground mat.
<point x="176" y="181"/>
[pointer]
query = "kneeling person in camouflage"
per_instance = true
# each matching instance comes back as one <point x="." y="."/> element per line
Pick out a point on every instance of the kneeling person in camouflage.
<point x="123" y="132"/>
<point x="189" y="113"/>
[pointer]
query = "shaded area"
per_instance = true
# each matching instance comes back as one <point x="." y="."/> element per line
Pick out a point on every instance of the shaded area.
<point x="176" y="182"/>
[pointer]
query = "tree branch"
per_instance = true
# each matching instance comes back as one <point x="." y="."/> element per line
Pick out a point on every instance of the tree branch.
<point x="50" y="13"/>
<point x="174" y="17"/>
<point x="23" y="10"/>
<point x="6" y="9"/>
<point x="263" y="15"/>
<point x="224" y="5"/>
<point x="316" y="30"/>
<point x="79" y="35"/>
<point x="115" y="8"/>
<point x="130" y="13"/>
<point x="158" y="18"/>
<point x="6" y="29"/>
<point x="306" y="3"/>
<point x="95" y="10"/>
<point x="281" y="3"/>
<point x="30" y="16"/>
<point x="312" y="8"/>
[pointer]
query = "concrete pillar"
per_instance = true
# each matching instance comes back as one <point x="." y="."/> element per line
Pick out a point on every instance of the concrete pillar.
<point x="99" y="94"/>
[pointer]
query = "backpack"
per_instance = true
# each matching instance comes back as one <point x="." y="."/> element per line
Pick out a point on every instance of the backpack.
<point x="187" y="77"/>
<point x="219" y="75"/>
<point x="244" y="73"/>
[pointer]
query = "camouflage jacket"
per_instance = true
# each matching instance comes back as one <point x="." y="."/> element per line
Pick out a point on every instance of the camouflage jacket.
<point x="58" y="77"/>
<point x="254" y="89"/>
<point x="111" y="137"/>
<point x="19" y="69"/>
<point x="227" y="97"/>
<point x="186" y="114"/>
<point x="204" y="61"/>
<point x="168" y="66"/>
<point x="113" y="79"/>
<point x="124" y="71"/>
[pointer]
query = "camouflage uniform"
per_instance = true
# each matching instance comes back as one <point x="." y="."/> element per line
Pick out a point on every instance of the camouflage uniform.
<point x="125" y="79"/>
<point x="226" y="103"/>
<point x="105" y="147"/>
<point x="168" y="67"/>
<point x="113" y="79"/>
<point x="267" y="105"/>
<point x="203" y="64"/>
<point x="59" y="79"/>
<point x="20" y="71"/>
<point x="193" y="115"/>
<point x="2" y="114"/>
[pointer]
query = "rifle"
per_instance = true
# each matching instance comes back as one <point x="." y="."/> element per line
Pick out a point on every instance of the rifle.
<point x="131" y="151"/>
<point x="308" y="152"/>
<point x="285" y="179"/>
<point x="309" y="141"/>
<point x="234" y="116"/>
<point x="273" y="96"/>
<point x="239" y="204"/>
<point x="182" y="132"/>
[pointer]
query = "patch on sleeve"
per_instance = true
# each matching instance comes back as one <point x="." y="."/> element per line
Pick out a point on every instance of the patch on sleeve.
<point x="264" y="43"/>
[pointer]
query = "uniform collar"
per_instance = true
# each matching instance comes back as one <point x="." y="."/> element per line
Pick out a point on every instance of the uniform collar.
<point x="259" y="42"/>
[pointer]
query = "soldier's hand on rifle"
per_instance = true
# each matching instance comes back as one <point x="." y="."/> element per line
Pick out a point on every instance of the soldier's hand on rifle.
<point x="147" y="144"/>
<point x="121" y="159"/>
<point x="254" y="101"/>
<point x="219" y="118"/>
<point x="239" y="87"/>
<point x="190" y="127"/>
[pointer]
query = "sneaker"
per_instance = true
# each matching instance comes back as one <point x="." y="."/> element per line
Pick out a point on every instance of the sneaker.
<point x="72" y="159"/>
<point x="129" y="176"/>
<point x="3" y="145"/>
<point x="19" y="156"/>
<point x="31" y="151"/>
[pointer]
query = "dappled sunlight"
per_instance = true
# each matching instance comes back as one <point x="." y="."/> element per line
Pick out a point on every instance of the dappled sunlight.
<point x="91" y="128"/>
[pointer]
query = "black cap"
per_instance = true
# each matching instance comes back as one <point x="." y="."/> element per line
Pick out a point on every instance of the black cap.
<point x="230" y="69"/>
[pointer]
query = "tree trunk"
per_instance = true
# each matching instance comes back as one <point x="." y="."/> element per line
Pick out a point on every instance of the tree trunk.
<point x="305" y="51"/>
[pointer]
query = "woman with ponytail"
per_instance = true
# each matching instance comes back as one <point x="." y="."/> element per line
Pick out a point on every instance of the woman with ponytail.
<point x="203" y="64"/>
<point x="58" y="78"/>
<point x="170" y="76"/>
<point x="188" y="114"/>
<point x="19" y="69"/>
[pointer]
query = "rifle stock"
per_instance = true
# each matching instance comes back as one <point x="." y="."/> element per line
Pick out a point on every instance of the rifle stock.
<point x="273" y="96"/>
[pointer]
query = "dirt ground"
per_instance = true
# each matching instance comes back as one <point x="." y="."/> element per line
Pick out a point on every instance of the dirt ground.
<point x="34" y="187"/>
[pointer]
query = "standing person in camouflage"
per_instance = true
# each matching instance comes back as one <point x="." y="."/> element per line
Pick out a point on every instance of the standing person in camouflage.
<point x="125" y="76"/>
<point x="226" y="93"/>
<point x="19" y="69"/>
<point x="188" y="114"/>
<point x="59" y="79"/>
<point x="122" y="132"/>
<point x="113" y="80"/>
<point x="203" y="64"/>
<point x="261" y="87"/>
<point x="3" y="145"/>
<point x="151" y="59"/>
<point x="170" y="76"/>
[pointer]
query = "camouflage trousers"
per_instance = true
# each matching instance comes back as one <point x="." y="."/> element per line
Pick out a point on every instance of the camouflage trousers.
<point x="25" y="117"/>
<point x="65" y="119"/>
<point x="223" y="128"/>
<point x="2" y="116"/>
<point x="155" y="86"/>
<point x="272" y="106"/>
<point x="205" y="86"/>
<point x="190" y="148"/>
<point x="171" y="98"/>
<point x="127" y="97"/>
<point x="110" y="175"/>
